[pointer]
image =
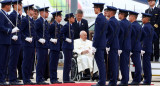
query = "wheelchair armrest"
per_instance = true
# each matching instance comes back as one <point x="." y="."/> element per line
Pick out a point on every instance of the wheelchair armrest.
<point x="75" y="55"/>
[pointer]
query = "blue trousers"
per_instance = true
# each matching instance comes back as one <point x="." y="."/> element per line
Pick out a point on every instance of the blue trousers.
<point x="113" y="66"/>
<point x="124" y="66"/>
<point x="54" y="58"/>
<point x="67" y="63"/>
<point x="99" y="57"/>
<point x="13" y="61"/>
<point x="4" y="51"/>
<point x="42" y="54"/>
<point x="137" y="62"/>
<point x="147" y="67"/>
<point x="28" y="53"/>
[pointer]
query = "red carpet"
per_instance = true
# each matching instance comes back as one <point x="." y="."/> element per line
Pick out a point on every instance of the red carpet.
<point x="69" y="84"/>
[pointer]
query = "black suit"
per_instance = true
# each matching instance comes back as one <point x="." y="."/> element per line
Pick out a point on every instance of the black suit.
<point x="155" y="19"/>
<point x="78" y="28"/>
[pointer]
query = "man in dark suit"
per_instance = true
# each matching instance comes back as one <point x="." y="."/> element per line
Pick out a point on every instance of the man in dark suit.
<point x="15" y="43"/>
<point x="42" y="44"/>
<point x="125" y="45"/>
<point x="136" y="39"/>
<point x="147" y="47"/>
<point x="28" y="38"/>
<point x="99" y="42"/>
<point x="155" y="22"/>
<point x="80" y="24"/>
<point x="5" y="38"/>
<point x="113" y="44"/>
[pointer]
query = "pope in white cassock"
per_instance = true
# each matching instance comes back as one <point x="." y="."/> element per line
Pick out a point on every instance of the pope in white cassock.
<point x="83" y="48"/>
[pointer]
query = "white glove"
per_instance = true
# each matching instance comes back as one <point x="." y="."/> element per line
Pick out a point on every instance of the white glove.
<point x="41" y="40"/>
<point x="107" y="49"/>
<point x="53" y="40"/>
<point x="93" y="50"/>
<point x="14" y="30"/>
<point x="15" y="38"/>
<point x="28" y="39"/>
<point x="131" y="53"/>
<point x="119" y="52"/>
<point x="68" y="40"/>
<point x="142" y="52"/>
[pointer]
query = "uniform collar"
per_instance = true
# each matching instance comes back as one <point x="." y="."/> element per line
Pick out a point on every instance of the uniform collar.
<point x="112" y="17"/>
<point x="29" y="17"/>
<point x="123" y="19"/>
<point x="16" y="12"/>
<point x="99" y="13"/>
<point x="153" y="7"/>
<point x="4" y="11"/>
<point x="43" y="19"/>
<point x="56" y="22"/>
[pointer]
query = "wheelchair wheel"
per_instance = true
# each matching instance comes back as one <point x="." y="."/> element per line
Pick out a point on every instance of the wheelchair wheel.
<point x="74" y="69"/>
<point x="79" y="77"/>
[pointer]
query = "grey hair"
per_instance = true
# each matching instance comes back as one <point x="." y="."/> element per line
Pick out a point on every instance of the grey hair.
<point x="79" y="11"/>
<point x="82" y="32"/>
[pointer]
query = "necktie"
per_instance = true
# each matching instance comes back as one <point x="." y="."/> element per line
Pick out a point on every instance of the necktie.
<point x="78" y="24"/>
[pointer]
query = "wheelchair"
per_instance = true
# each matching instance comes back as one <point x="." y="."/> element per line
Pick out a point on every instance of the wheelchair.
<point x="84" y="75"/>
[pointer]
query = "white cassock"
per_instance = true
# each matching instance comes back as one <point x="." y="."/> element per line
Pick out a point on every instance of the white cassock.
<point x="85" y="61"/>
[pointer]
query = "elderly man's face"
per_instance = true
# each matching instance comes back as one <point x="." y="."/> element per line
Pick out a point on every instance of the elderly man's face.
<point x="83" y="36"/>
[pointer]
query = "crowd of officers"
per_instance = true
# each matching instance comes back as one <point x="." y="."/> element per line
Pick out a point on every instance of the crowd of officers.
<point x="119" y="40"/>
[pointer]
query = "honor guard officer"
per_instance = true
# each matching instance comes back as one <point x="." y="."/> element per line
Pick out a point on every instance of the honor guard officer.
<point x="125" y="45"/>
<point x="147" y="47"/>
<point x="113" y="44"/>
<point x="67" y="46"/>
<point x="28" y="37"/>
<point x="99" y="42"/>
<point x="155" y="22"/>
<point x="80" y="24"/>
<point x="55" y="46"/>
<point x="136" y="39"/>
<point x="15" y="43"/>
<point x="42" y="44"/>
<point x="5" y="38"/>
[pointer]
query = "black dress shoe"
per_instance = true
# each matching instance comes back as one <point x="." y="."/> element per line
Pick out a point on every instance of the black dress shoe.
<point x="29" y="83"/>
<point x="3" y="83"/>
<point x="134" y="83"/>
<point x="98" y="85"/>
<point x="144" y="83"/>
<point x="42" y="83"/>
<point x="123" y="84"/>
<point x="19" y="78"/>
<point x="56" y="82"/>
<point x="68" y="82"/>
<point x="32" y="77"/>
<point x="15" y="83"/>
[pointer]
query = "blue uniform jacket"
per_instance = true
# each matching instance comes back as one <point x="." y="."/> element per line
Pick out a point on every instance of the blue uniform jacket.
<point x="126" y="40"/>
<point x="77" y="29"/>
<point x="39" y="25"/>
<point x="65" y="34"/>
<point x="26" y="33"/>
<point x="100" y="31"/>
<point x="137" y="37"/>
<point x="13" y="18"/>
<point x="150" y="37"/>
<point x="56" y="46"/>
<point x="5" y="29"/>
<point x="113" y="40"/>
